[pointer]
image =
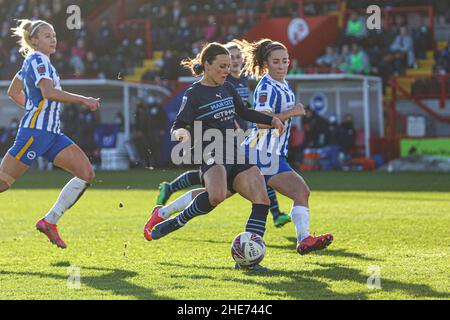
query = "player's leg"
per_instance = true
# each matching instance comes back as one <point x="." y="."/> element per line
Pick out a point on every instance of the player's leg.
<point x="251" y="185"/>
<point x="292" y="185"/>
<point x="184" y="181"/>
<point x="73" y="160"/>
<point x="11" y="169"/>
<point x="279" y="218"/>
<point x="160" y="213"/>
<point x="215" y="178"/>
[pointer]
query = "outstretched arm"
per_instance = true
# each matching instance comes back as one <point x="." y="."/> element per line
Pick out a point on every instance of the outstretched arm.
<point x="51" y="93"/>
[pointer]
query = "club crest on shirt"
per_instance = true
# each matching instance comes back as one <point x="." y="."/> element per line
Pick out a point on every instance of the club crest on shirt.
<point x="31" y="155"/>
<point x="262" y="97"/>
<point x="41" y="69"/>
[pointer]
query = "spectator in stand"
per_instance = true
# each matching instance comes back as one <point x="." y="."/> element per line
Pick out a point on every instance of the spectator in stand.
<point x="347" y="134"/>
<point x="355" y="30"/>
<point x="315" y="127"/>
<point x="341" y="63"/>
<point x="330" y="151"/>
<point x="403" y="48"/>
<point x="328" y="59"/>
<point x="185" y="34"/>
<point x="358" y="61"/>
<point x="158" y="126"/>
<point x="105" y="41"/>
<point x="170" y="67"/>
<point x="87" y="125"/>
<point x="212" y="30"/>
<point x="295" y="68"/>
<point x="442" y="59"/>
<point x="422" y="39"/>
<point x="295" y="145"/>
<point x="92" y="65"/>
<point x="142" y="134"/>
<point x="69" y="118"/>
<point x="78" y="55"/>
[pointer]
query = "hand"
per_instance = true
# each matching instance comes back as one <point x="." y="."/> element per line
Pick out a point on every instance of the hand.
<point x="181" y="135"/>
<point x="92" y="103"/>
<point x="278" y="125"/>
<point x="298" y="110"/>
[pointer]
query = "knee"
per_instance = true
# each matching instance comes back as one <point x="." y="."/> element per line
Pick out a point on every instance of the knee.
<point x="217" y="198"/>
<point x="87" y="175"/>
<point x="302" y="196"/>
<point x="3" y="186"/>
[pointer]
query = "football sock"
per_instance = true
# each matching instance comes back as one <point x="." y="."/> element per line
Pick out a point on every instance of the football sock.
<point x="274" y="208"/>
<point x="176" y="206"/>
<point x="198" y="207"/>
<point x="186" y="180"/>
<point x="257" y="221"/>
<point x="69" y="195"/>
<point x="300" y="218"/>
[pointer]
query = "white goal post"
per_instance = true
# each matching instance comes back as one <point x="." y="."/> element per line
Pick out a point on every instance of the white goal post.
<point x="116" y="96"/>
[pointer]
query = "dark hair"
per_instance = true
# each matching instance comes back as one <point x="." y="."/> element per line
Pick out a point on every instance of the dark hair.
<point x="208" y="53"/>
<point x="256" y="54"/>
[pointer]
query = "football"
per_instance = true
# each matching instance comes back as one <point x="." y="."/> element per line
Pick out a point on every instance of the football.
<point x="248" y="249"/>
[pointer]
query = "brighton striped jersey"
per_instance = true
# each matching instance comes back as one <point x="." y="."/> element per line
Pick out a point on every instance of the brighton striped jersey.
<point x="274" y="97"/>
<point x="41" y="114"/>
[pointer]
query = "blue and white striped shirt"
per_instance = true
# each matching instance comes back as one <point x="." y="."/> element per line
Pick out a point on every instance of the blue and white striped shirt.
<point x="274" y="97"/>
<point x="41" y="114"/>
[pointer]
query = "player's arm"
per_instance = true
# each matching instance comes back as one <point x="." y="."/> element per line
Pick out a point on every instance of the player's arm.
<point x="185" y="117"/>
<point x="49" y="92"/>
<point x="297" y="111"/>
<point x="15" y="92"/>
<point x="254" y="116"/>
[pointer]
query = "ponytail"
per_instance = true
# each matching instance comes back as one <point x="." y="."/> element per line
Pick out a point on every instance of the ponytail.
<point x="25" y="31"/>
<point x="256" y="55"/>
<point x="208" y="53"/>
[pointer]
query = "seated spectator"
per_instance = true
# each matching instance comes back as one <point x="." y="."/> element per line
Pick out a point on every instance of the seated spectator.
<point x="329" y="58"/>
<point x="347" y="134"/>
<point x="358" y="61"/>
<point x="315" y="127"/>
<point x="355" y="29"/>
<point x="78" y="54"/>
<point x="295" y="143"/>
<point x="169" y="70"/>
<point x="211" y="32"/>
<point x="341" y="62"/>
<point x="442" y="59"/>
<point x="295" y="68"/>
<point x="403" y="46"/>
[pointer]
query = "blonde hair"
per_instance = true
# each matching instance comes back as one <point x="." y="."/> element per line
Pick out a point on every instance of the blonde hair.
<point x="25" y="31"/>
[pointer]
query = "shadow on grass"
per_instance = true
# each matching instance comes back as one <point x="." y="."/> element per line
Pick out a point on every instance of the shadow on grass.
<point x="291" y="248"/>
<point x="318" y="181"/>
<point x="305" y="285"/>
<point x="115" y="281"/>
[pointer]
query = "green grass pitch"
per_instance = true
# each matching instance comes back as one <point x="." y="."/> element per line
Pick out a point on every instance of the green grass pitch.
<point x="396" y="223"/>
